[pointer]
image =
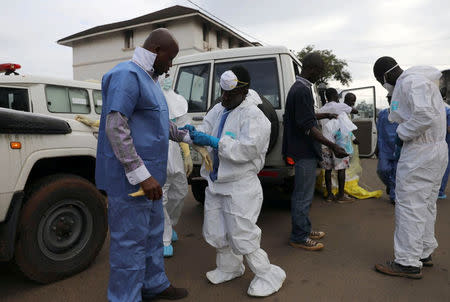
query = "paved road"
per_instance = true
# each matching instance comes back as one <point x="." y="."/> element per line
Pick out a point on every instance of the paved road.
<point x="358" y="236"/>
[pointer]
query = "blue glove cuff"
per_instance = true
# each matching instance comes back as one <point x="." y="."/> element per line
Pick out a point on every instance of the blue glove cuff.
<point x="214" y="142"/>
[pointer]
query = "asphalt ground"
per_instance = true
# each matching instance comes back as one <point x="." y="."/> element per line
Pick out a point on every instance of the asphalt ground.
<point x="358" y="236"/>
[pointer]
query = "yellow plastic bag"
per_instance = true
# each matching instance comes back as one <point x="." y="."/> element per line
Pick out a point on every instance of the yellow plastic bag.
<point x="352" y="175"/>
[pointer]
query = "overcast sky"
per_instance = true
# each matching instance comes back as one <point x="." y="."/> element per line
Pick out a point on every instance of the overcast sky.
<point x="415" y="32"/>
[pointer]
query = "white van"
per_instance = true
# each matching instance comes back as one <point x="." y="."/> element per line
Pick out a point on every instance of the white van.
<point x="50" y="96"/>
<point x="273" y="71"/>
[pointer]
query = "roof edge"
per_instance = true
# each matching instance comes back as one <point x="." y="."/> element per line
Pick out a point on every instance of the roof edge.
<point x="67" y="41"/>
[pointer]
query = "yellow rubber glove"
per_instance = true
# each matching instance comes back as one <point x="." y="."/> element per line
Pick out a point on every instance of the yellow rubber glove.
<point x="87" y="121"/>
<point x="137" y="193"/>
<point x="205" y="157"/>
<point x="187" y="159"/>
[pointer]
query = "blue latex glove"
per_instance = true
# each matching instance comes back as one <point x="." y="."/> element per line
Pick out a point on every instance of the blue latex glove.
<point x="203" y="139"/>
<point x="188" y="127"/>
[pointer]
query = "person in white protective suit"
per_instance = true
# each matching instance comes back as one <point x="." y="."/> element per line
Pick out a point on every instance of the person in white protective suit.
<point x="419" y="110"/>
<point x="239" y="133"/>
<point x="176" y="187"/>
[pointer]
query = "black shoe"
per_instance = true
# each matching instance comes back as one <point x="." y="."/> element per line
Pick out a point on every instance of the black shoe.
<point x="394" y="269"/>
<point x="170" y="293"/>
<point x="427" y="261"/>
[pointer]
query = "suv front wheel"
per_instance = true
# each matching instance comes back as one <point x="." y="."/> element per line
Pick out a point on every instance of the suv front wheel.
<point x="62" y="228"/>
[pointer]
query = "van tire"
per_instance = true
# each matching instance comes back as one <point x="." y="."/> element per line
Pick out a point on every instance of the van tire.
<point x="268" y="110"/>
<point x="62" y="228"/>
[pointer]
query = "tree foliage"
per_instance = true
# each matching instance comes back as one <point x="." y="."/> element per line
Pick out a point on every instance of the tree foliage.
<point x="334" y="67"/>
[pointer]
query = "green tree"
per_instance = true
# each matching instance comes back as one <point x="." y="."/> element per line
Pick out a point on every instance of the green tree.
<point x="334" y="67"/>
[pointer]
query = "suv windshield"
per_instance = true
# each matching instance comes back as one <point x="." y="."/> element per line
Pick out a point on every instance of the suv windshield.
<point x="263" y="75"/>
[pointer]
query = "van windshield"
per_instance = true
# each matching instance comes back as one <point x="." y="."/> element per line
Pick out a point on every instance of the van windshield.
<point x="263" y="75"/>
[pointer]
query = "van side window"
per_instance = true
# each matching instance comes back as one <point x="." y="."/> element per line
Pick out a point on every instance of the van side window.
<point x="14" y="98"/>
<point x="97" y="96"/>
<point x="192" y="84"/>
<point x="62" y="99"/>
<point x="263" y="75"/>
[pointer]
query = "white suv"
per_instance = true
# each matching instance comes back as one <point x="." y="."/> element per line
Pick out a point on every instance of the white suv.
<point x="52" y="217"/>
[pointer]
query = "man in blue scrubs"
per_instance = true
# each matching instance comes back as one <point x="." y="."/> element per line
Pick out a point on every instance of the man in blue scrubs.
<point x="132" y="152"/>
<point x="387" y="162"/>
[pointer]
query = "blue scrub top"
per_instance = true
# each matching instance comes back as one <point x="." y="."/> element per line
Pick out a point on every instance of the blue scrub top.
<point x="131" y="91"/>
<point x="387" y="132"/>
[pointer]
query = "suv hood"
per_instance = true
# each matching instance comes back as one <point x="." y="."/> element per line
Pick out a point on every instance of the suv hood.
<point x="78" y="126"/>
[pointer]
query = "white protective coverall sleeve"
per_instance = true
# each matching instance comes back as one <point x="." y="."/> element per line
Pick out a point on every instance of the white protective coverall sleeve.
<point x="423" y="112"/>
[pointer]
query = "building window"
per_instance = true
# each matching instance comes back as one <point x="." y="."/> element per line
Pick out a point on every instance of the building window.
<point x="205" y="32"/>
<point x="128" y="42"/>
<point x="219" y="39"/>
<point x="230" y="42"/>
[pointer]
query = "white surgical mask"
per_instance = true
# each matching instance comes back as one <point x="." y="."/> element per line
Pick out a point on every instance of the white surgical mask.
<point x="386" y="85"/>
<point x="389" y="88"/>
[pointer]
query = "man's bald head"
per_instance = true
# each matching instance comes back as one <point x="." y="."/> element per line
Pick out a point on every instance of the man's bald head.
<point x="313" y="67"/>
<point x="162" y="43"/>
<point x="384" y="64"/>
<point x="160" y="37"/>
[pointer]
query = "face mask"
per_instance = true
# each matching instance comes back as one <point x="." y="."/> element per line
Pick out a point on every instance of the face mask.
<point x="386" y="85"/>
<point x="167" y="83"/>
<point x="389" y="88"/>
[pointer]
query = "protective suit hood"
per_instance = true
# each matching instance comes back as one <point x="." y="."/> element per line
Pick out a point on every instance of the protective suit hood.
<point x="431" y="73"/>
<point x="177" y="104"/>
<point x="251" y="98"/>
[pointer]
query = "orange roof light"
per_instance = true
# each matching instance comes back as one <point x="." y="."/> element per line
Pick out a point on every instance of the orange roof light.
<point x="15" y="145"/>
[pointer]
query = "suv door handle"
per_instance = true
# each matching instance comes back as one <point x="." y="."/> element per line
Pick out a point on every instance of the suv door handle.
<point x="197" y="118"/>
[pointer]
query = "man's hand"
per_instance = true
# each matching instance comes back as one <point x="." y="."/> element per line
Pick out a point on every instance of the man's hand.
<point x="151" y="188"/>
<point x="339" y="152"/>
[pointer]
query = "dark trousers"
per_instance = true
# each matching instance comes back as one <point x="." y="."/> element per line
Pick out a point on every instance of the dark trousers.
<point x="305" y="181"/>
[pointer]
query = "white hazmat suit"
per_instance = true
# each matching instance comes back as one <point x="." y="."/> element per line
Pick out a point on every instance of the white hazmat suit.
<point x="175" y="189"/>
<point x="233" y="202"/>
<point x="419" y="110"/>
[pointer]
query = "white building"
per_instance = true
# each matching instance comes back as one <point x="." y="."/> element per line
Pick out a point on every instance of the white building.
<point x="98" y="49"/>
